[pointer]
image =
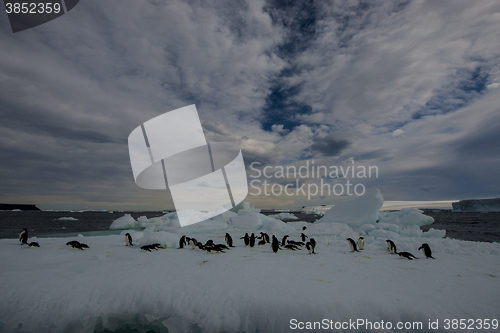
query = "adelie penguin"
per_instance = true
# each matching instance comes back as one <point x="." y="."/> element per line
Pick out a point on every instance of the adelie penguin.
<point x="275" y="244"/>
<point x="313" y="242"/>
<point x="303" y="237"/>
<point x="128" y="240"/>
<point x="246" y="239"/>
<point x="263" y="237"/>
<point x="407" y="255"/>
<point x="23" y="236"/>
<point x="252" y="240"/>
<point x="352" y="244"/>
<point x="361" y="243"/>
<point x="182" y="242"/>
<point x="391" y="247"/>
<point x="427" y="250"/>
<point x="284" y="241"/>
<point x="310" y="248"/>
<point x="33" y="244"/>
<point x="229" y="240"/>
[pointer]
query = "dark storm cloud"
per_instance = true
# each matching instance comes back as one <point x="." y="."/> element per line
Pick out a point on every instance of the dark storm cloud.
<point x="331" y="145"/>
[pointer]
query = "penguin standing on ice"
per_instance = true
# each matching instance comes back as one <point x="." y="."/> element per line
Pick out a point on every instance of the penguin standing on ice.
<point x="128" y="240"/>
<point x="361" y="243"/>
<point x="252" y="240"/>
<point x="352" y="244"/>
<point x="313" y="242"/>
<point x="284" y="241"/>
<point x="303" y="237"/>
<point x="229" y="240"/>
<point x="310" y="248"/>
<point x="391" y="247"/>
<point x="427" y="251"/>
<point x="264" y="238"/>
<point x="23" y="236"/>
<point x="275" y="244"/>
<point x="182" y="242"/>
<point x="246" y="239"/>
<point x="407" y="255"/>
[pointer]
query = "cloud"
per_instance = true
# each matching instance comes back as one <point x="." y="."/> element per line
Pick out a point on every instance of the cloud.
<point x="331" y="145"/>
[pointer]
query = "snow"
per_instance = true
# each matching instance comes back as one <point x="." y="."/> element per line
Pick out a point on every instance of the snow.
<point x="67" y="218"/>
<point x="112" y="287"/>
<point x="477" y="205"/>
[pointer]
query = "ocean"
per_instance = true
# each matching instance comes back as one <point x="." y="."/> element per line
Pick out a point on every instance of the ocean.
<point x="470" y="226"/>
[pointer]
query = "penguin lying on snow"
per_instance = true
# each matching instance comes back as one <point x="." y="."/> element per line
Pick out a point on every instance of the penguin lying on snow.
<point x="33" y="244"/>
<point x="151" y="247"/>
<point x="292" y="247"/>
<point x="80" y="246"/>
<point x="407" y="255"/>
<point x="352" y="244"/>
<point x="72" y="243"/>
<point x="427" y="250"/>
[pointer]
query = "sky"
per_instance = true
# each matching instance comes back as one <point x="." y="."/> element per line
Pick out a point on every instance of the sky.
<point x="411" y="88"/>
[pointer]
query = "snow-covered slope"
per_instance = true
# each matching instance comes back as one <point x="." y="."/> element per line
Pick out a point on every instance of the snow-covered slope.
<point x="111" y="287"/>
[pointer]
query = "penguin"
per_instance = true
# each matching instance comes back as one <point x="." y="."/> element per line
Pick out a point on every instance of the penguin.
<point x="391" y="247"/>
<point x="264" y="238"/>
<point x="156" y="246"/>
<point x="23" y="236"/>
<point x="209" y="243"/>
<point x="427" y="251"/>
<point x="229" y="240"/>
<point x="33" y="244"/>
<point x="303" y="237"/>
<point x="72" y="243"/>
<point x="200" y="246"/>
<point x="193" y="242"/>
<point x="218" y="248"/>
<point x="146" y="248"/>
<point x="222" y="246"/>
<point x="182" y="242"/>
<point x="310" y="248"/>
<point x="313" y="242"/>
<point x="252" y="240"/>
<point x="361" y="243"/>
<point x="128" y="240"/>
<point x="292" y="247"/>
<point x="262" y="242"/>
<point x="80" y="246"/>
<point x="275" y="244"/>
<point x="246" y="239"/>
<point x="407" y="255"/>
<point x="285" y="240"/>
<point x="352" y="244"/>
<point x="304" y="228"/>
<point x="296" y="243"/>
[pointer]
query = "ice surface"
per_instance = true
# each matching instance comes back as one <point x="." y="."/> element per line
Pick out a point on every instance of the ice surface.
<point x="284" y="216"/>
<point x="478" y="205"/>
<point x="67" y="219"/>
<point x="111" y="287"/>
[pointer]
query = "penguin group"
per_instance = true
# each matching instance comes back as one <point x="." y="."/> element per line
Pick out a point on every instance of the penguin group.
<point x="391" y="247"/>
<point x="209" y="246"/>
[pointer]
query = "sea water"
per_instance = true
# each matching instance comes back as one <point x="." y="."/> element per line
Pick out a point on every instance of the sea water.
<point x="471" y="226"/>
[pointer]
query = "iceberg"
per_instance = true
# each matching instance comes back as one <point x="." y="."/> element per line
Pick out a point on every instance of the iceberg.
<point x="477" y="205"/>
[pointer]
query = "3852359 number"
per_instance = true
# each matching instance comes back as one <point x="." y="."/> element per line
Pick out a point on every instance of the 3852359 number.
<point x="32" y="8"/>
<point x="470" y="324"/>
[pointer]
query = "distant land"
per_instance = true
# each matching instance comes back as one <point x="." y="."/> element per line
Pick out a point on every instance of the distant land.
<point x="477" y="205"/>
<point x="18" y="206"/>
